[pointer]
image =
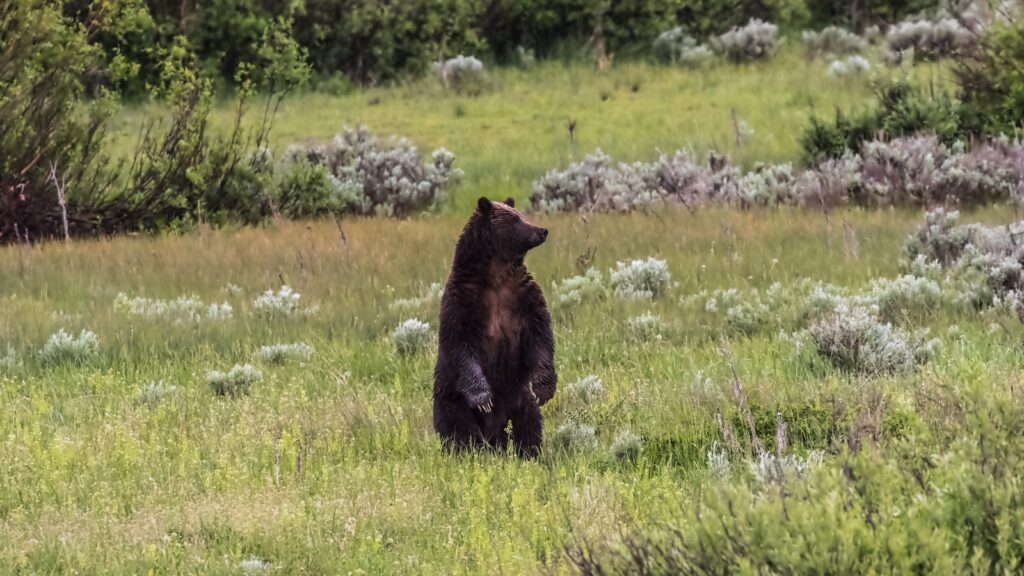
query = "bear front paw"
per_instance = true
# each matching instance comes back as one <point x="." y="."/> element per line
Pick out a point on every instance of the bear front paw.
<point x="482" y="402"/>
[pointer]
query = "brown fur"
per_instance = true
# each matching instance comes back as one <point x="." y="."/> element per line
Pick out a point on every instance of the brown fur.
<point x="496" y="347"/>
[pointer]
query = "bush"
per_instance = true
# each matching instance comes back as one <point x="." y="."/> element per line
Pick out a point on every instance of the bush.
<point x="929" y="39"/>
<point x="585" y="390"/>
<point x="753" y="41"/>
<point x="907" y="171"/>
<point x="63" y="131"/>
<point x="284" y="303"/>
<point x="578" y="289"/>
<point x="63" y="348"/>
<point x="234" y="382"/>
<point x="862" y="15"/>
<point x="177" y="176"/>
<point x="676" y="47"/>
<point x="902" y="111"/>
<point x="921" y="171"/>
<point x="365" y="176"/>
<point x="279" y="354"/>
<point x="645" y="328"/>
<point x="181" y="309"/>
<point x="985" y="265"/>
<point x="627" y="446"/>
<point x="411" y="337"/>
<point x="155" y="392"/>
<point x="307" y="190"/>
<point x="573" y="437"/>
<point x="894" y="297"/>
<point x="640" y="279"/>
<point x="991" y="82"/>
<point x="595" y="184"/>
<point x="462" y="74"/>
<point x="9" y="360"/>
<point x="855" y="340"/>
<point x="852" y="66"/>
<point x="832" y="40"/>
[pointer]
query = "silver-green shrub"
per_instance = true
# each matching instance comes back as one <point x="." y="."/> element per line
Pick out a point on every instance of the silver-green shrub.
<point x="753" y="41"/>
<point x="279" y="354"/>
<point x="412" y="336"/>
<point x="573" y="436"/>
<point x="849" y="66"/>
<point x="640" y="279"/>
<point x="585" y="390"/>
<point x="575" y="290"/>
<point x="236" y="381"/>
<point x="832" y="40"/>
<point x="626" y="446"/>
<point x="853" y="338"/>
<point x="64" y="348"/>
<point x="369" y="176"/>
<point x="676" y="47"/>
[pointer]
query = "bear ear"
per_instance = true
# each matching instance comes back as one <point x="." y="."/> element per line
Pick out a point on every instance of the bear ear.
<point x="483" y="205"/>
<point x="511" y="202"/>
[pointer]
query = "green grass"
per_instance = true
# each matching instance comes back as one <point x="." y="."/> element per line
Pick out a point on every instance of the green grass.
<point x="97" y="481"/>
<point x="332" y="466"/>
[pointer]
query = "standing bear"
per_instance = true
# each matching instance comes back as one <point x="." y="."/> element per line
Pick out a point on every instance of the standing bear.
<point x="495" y="360"/>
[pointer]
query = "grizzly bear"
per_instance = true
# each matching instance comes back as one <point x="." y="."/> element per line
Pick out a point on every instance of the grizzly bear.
<point x="495" y="360"/>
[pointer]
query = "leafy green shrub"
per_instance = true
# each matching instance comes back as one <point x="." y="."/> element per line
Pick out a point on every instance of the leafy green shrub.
<point x="306" y="190"/>
<point x="860" y="15"/>
<point x="178" y="175"/>
<point x="375" y="42"/>
<point x="991" y="82"/>
<point x="901" y="110"/>
<point x="60" y="134"/>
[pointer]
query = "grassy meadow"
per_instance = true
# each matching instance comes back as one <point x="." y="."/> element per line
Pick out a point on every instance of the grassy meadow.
<point x="127" y="461"/>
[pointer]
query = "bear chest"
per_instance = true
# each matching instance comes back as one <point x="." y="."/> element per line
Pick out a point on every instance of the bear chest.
<point x="503" y="322"/>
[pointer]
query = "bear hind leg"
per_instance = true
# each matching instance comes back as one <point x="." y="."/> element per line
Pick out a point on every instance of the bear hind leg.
<point x="458" y="429"/>
<point x="528" y="430"/>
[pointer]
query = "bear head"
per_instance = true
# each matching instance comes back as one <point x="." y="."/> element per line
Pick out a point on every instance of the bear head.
<point x="510" y="235"/>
